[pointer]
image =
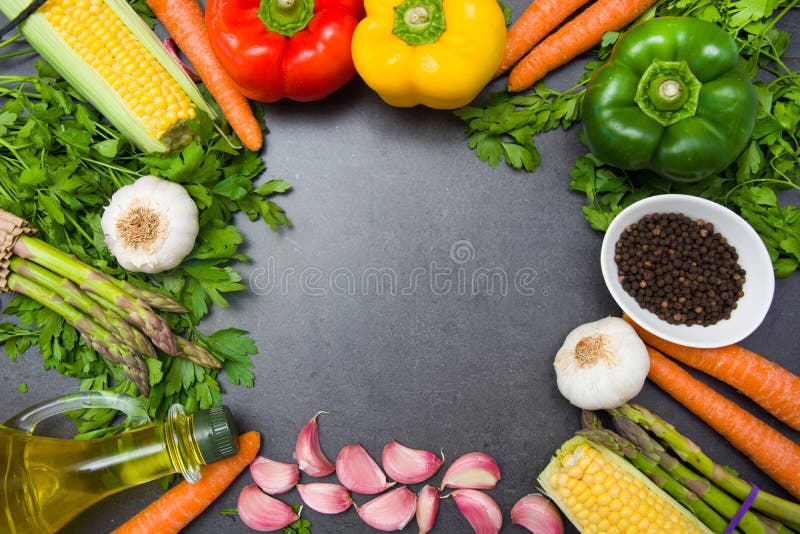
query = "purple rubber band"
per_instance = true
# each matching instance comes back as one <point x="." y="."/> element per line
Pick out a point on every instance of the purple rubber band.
<point x="748" y="502"/>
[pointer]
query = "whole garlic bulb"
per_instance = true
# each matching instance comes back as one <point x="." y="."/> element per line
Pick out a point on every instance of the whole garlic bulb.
<point x="602" y="364"/>
<point x="150" y="225"/>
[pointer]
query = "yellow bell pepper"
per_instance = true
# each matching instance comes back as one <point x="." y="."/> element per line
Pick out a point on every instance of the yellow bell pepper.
<point x="439" y="53"/>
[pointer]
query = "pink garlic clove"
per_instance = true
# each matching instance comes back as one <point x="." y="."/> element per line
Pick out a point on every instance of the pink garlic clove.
<point x="407" y="465"/>
<point x="391" y="511"/>
<point x="474" y="470"/>
<point x="538" y="514"/>
<point x="261" y="512"/>
<point x="480" y="510"/>
<point x="358" y="472"/>
<point x="427" y="508"/>
<point x="325" y="498"/>
<point x="274" y="477"/>
<point x="310" y="458"/>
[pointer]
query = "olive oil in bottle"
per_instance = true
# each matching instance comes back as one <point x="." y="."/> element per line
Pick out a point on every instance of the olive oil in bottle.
<point x="48" y="481"/>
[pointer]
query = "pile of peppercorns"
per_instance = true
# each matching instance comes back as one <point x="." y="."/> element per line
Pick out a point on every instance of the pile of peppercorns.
<point x="679" y="269"/>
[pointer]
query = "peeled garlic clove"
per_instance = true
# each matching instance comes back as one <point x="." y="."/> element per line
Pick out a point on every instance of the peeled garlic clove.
<point x="310" y="458"/>
<point x="480" y="510"/>
<point x="325" y="498"/>
<point x="391" y="511"/>
<point x="274" y="477"/>
<point x="538" y="514"/>
<point x="474" y="470"/>
<point x="358" y="472"/>
<point x="150" y="225"/>
<point x="602" y="364"/>
<point x="427" y="508"/>
<point x="407" y="465"/>
<point x="261" y="512"/>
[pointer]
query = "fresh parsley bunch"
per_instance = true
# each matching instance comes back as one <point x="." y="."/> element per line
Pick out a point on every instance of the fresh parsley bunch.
<point x="59" y="164"/>
<point x="503" y="128"/>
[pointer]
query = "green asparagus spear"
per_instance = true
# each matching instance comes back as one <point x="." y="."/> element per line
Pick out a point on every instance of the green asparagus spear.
<point x="142" y="341"/>
<point x="196" y="353"/>
<point x="649" y="466"/>
<point x="781" y="509"/>
<point x="97" y="337"/>
<point x="152" y="298"/>
<point x="706" y="490"/>
<point x="88" y="279"/>
<point x="73" y="296"/>
<point x="186" y="349"/>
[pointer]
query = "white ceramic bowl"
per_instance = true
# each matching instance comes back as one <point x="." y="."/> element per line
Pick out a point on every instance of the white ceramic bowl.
<point x="759" y="282"/>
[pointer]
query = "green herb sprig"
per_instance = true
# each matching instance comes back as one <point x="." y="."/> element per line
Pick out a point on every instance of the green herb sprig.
<point x="59" y="164"/>
<point x="503" y="128"/>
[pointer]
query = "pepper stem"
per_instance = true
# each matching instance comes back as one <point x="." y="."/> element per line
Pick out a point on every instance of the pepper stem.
<point x="419" y="22"/>
<point x="668" y="91"/>
<point x="286" y="17"/>
<point x="417" y="16"/>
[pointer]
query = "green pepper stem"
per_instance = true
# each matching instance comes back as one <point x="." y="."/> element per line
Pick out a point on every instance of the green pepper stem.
<point x="419" y="22"/>
<point x="286" y="17"/>
<point x="668" y="91"/>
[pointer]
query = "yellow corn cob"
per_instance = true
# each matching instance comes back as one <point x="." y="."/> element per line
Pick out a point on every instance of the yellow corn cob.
<point x="600" y="492"/>
<point x="106" y="51"/>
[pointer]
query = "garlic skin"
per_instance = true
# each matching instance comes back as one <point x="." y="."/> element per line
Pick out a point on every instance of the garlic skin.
<point x="602" y="364"/>
<point x="538" y="514"/>
<point x="150" y="225"/>
<point x="358" y="472"/>
<point x="427" y="508"/>
<point x="480" y="510"/>
<point x="308" y="453"/>
<point x="325" y="498"/>
<point x="389" y="511"/>
<point x="409" y="466"/>
<point x="274" y="477"/>
<point x="261" y="512"/>
<point x="474" y="470"/>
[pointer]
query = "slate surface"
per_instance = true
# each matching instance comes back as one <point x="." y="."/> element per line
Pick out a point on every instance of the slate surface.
<point x="420" y="296"/>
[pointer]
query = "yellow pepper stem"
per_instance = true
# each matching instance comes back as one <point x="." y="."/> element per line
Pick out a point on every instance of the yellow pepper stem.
<point x="419" y="22"/>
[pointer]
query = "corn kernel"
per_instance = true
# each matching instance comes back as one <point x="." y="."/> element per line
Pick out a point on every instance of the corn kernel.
<point x="603" y="496"/>
<point x="107" y="45"/>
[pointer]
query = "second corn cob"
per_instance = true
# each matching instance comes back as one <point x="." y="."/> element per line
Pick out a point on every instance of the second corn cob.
<point x="599" y="492"/>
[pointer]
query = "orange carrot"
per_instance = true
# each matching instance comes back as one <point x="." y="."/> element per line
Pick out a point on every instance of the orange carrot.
<point x="185" y="23"/>
<point x="181" y="504"/>
<point x="574" y="38"/>
<point x="773" y="453"/>
<point x="774" y="388"/>
<point x="540" y="18"/>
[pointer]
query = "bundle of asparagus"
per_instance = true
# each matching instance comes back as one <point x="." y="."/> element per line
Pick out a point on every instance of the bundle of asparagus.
<point x="714" y="493"/>
<point x="117" y="319"/>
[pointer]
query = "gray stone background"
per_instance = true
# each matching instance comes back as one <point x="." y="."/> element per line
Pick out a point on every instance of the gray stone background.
<point x="386" y="198"/>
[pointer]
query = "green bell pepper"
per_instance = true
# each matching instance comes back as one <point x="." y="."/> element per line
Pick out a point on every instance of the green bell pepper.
<point x="670" y="99"/>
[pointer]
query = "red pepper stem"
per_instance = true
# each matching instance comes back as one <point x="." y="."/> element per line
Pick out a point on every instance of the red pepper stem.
<point x="286" y="17"/>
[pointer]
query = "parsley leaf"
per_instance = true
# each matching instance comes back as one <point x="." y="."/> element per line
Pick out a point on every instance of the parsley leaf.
<point x="503" y="128"/>
<point x="59" y="164"/>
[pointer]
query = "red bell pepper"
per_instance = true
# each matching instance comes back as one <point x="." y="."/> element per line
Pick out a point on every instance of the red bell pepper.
<point x="296" y="49"/>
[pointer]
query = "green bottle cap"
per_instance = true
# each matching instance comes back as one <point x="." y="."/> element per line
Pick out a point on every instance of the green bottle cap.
<point x="216" y="434"/>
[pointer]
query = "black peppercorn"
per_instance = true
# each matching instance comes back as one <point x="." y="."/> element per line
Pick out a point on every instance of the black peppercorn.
<point x="679" y="269"/>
